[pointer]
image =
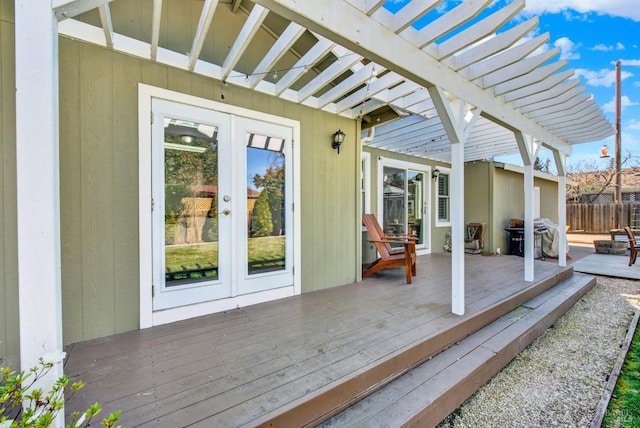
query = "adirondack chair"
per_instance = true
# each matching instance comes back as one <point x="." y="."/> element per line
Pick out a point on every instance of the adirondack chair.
<point x="633" y="245"/>
<point x="390" y="257"/>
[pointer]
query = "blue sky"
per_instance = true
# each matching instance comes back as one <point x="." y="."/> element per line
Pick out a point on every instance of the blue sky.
<point x="592" y="35"/>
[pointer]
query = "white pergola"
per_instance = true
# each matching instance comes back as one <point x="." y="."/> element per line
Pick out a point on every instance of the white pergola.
<point x="467" y="85"/>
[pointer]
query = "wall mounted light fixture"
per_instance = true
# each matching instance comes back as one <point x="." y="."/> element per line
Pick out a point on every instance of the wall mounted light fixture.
<point x="338" y="139"/>
<point x="435" y="174"/>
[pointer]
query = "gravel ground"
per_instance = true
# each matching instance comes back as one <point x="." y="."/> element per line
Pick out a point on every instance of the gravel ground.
<point x="557" y="381"/>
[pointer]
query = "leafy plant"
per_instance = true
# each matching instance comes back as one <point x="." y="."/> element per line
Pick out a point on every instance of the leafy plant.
<point x="24" y="406"/>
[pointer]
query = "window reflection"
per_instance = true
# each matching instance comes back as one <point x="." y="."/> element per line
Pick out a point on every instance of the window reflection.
<point x="190" y="201"/>
<point x="265" y="204"/>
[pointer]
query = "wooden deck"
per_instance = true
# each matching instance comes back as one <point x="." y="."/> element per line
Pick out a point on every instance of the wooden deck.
<point x="294" y="361"/>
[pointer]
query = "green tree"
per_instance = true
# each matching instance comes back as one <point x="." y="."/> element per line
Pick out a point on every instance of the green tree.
<point x="541" y="166"/>
<point x="594" y="178"/>
<point x="273" y="182"/>
<point x="262" y="221"/>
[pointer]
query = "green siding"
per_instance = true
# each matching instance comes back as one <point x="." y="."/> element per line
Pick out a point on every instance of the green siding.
<point x="548" y="198"/>
<point x="508" y="201"/>
<point x="477" y="201"/>
<point x="9" y="319"/>
<point x="99" y="188"/>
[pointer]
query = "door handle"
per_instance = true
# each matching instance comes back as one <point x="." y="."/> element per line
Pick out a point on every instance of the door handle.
<point x="225" y="212"/>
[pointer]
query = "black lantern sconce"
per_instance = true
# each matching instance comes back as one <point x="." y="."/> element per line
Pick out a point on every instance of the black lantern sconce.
<point x="435" y="174"/>
<point x="338" y="139"/>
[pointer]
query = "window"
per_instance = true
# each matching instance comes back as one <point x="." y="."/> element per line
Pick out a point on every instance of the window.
<point x="444" y="200"/>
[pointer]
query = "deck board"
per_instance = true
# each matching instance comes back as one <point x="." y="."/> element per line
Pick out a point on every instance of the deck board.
<point x="424" y="396"/>
<point x="234" y="368"/>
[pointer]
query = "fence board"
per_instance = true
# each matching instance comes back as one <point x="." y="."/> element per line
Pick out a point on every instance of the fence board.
<point x="601" y="218"/>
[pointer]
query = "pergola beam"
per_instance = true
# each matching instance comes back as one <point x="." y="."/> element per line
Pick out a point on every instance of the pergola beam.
<point x="69" y="9"/>
<point x="288" y="37"/>
<point x="249" y="30"/>
<point x="356" y="31"/>
<point x="412" y="12"/>
<point x="451" y="20"/>
<point x="107" y="25"/>
<point x="374" y="90"/>
<point x="505" y="58"/>
<point x="544" y="85"/>
<point x="155" y="28"/>
<point x="517" y="69"/>
<point x="528" y="79"/>
<point x="492" y="46"/>
<point x="313" y="55"/>
<point x="327" y="75"/>
<point x="479" y="30"/>
<point x="556" y="95"/>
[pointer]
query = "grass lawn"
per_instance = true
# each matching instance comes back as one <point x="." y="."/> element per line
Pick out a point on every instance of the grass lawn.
<point x="624" y="406"/>
<point x="264" y="253"/>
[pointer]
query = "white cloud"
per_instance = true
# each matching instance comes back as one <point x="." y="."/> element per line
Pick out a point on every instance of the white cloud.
<point x="625" y="102"/>
<point x="630" y="62"/>
<point x="602" y="48"/>
<point x="606" y="48"/>
<point x="622" y="8"/>
<point x="604" y="77"/>
<point x="633" y="125"/>
<point x="567" y="48"/>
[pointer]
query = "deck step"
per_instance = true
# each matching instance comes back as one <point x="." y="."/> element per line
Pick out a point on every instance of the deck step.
<point x="428" y="393"/>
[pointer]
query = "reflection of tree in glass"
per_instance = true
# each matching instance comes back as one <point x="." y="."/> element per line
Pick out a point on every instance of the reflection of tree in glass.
<point x="185" y="174"/>
<point x="262" y="220"/>
<point x="272" y="185"/>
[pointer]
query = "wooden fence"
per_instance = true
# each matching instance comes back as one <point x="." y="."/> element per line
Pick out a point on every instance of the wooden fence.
<point x="601" y="218"/>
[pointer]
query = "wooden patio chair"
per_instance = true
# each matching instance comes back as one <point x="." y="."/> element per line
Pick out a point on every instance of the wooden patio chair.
<point x="390" y="257"/>
<point x="634" y="247"/>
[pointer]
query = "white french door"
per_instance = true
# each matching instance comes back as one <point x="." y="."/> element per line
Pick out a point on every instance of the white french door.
<point x="264" y="233"/>
<point x="403" y="194"/>
<point x="222" y="205"/>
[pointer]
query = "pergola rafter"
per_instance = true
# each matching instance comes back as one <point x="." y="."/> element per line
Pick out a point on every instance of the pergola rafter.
<point x="462" y="50"/>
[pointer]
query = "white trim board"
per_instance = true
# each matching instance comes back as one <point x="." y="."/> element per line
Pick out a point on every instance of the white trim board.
<point x="148" y="317"/>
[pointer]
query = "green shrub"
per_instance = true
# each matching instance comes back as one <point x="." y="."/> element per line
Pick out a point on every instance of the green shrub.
<point x="22" y="406"/>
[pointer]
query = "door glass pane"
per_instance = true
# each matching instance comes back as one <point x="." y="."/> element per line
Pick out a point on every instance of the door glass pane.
<point x="265" y="204"/>
<point x="414" y="204"/>
<point x="393" y="196"/>
<point x="190" y="201"/>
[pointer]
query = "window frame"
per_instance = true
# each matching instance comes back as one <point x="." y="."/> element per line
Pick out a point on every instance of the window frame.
<point x="438" y="197"/>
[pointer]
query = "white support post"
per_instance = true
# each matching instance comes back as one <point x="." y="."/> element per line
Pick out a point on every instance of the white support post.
<point x="529" y="248"/>
<point x="561" y="160"/>
<point x="38" y="203"/>
<point x="528" y="151"/>
<point x="457" y="228"/>
<point x="458" y="119"/>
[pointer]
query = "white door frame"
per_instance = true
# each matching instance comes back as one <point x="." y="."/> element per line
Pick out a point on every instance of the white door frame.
<point x="426" y="170"/>
<point x="165" y="297"/>
<point x="148" y="317"/>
